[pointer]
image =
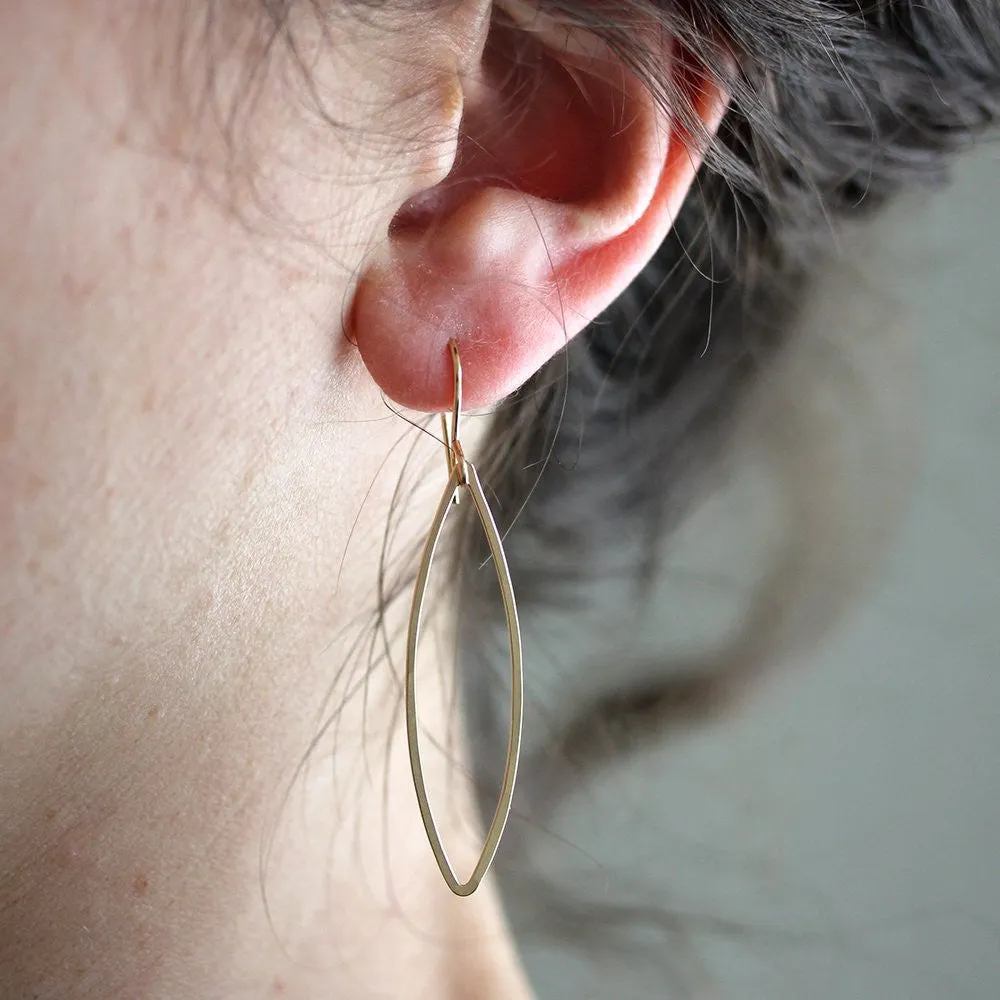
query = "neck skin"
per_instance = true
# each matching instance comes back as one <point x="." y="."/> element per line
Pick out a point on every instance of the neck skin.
<point x="230" y="813"/>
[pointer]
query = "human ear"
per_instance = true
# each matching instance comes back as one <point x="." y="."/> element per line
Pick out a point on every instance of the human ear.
<point x="566" y="178"/>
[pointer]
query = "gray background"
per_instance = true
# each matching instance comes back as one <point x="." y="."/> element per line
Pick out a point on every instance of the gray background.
<point x="839" y="837"/>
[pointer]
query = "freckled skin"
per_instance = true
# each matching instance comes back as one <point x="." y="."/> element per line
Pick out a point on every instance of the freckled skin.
<point x="204" y="785"/>
<point x="191" y="459"/>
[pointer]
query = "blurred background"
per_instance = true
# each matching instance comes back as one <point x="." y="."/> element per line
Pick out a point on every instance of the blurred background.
<point x="837" y="835"/>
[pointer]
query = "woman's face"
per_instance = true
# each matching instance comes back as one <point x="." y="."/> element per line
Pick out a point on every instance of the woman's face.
<point x="195" y="474"/>
<point x="198" y="468"/>
<point x="193" y="202"/>
<point x="179" y="233"/>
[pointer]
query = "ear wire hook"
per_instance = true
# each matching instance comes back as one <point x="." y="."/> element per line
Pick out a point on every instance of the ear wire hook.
<point x="454" y="454"/>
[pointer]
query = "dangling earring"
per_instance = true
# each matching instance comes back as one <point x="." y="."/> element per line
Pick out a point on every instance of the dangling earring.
<point x="462" y="475"/>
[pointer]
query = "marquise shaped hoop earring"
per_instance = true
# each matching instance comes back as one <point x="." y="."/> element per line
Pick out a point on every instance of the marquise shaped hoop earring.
<point x="462" y="475"/>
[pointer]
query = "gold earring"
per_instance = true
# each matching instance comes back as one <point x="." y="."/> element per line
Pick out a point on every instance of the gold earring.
<point x="462" y="474"/>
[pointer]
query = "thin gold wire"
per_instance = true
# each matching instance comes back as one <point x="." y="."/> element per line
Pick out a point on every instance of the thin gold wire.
<point x="462" y="473"/>
<point x="450" y="432"/>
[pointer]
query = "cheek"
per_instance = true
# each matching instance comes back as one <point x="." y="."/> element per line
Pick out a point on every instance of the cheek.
<point x="150" y="373"/>
<point x="170" y="371"/>
<point x="140" y="421"/>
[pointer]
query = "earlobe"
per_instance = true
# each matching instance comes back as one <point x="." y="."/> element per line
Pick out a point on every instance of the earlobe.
<point x="567" y="178"/>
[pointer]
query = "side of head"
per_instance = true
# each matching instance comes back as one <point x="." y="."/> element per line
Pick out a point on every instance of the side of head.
<point x="229" y="232"/>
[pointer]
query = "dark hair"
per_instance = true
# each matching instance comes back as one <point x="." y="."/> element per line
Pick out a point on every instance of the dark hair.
<point x="836" y="106"/>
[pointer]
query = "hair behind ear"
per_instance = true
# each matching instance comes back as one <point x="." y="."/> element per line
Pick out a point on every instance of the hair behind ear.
<point x="835" y="108"/>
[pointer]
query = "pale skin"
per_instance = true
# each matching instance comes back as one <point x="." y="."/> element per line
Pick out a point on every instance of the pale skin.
<point x="201" y="321"/>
